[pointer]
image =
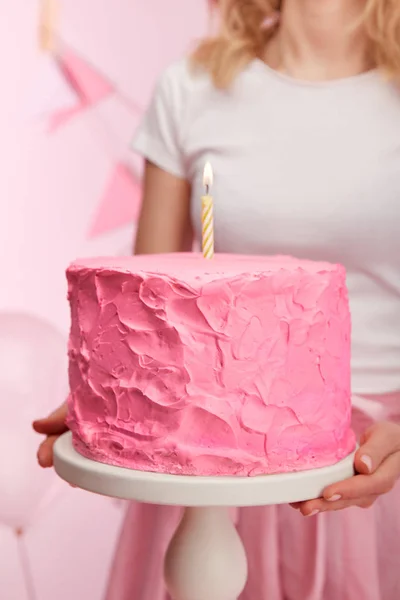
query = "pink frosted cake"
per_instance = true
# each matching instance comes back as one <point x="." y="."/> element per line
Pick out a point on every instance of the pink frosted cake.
<point x="235" y="366"/>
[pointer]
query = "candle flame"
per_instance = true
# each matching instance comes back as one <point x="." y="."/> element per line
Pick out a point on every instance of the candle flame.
<point x="208" y="176"/>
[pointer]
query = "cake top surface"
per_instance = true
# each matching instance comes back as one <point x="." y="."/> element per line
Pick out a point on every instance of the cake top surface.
<point x="192" y="265"/>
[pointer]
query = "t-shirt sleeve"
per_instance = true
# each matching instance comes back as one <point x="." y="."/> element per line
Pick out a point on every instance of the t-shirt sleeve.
<point x="158" y="137"/>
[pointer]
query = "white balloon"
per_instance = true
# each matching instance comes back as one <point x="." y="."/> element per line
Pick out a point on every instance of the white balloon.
<point x="33" y="381"/>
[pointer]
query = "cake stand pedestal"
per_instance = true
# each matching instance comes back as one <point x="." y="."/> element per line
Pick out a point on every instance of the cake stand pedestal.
<point x="206" y="559"/>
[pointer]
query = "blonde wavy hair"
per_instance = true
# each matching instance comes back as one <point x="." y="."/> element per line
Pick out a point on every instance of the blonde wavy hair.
<point x="246" y="26"/>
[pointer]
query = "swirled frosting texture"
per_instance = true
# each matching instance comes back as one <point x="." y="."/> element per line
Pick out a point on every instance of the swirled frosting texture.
<point x="236" y="366"/>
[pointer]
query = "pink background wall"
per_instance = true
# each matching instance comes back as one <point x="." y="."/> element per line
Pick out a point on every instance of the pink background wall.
<point x="54" y="180"/>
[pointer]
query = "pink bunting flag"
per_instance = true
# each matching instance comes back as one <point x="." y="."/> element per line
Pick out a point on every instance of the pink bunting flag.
<point x="120" y="204"/>
<point x="90" y="86"/>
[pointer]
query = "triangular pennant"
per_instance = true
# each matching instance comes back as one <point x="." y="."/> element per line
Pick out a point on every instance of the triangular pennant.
<point x="90" y="86"/>
<point x="50" y="92"/>
<point x="120" y="204"/>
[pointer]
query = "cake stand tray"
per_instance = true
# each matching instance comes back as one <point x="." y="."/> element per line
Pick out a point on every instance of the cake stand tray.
<point x="181" y="490"/>
<point x="206" y="559"/>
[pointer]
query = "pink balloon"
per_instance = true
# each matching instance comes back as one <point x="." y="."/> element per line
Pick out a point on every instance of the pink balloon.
<point x="33" y="381"/>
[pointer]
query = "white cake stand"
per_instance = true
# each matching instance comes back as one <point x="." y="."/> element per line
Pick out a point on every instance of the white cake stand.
<point x="206" y="559"/>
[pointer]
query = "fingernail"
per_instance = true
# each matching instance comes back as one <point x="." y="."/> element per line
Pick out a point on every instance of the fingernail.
<point x="313" y="513"/>
<point x="367" y="462"/>
<point x="334" y="498"/>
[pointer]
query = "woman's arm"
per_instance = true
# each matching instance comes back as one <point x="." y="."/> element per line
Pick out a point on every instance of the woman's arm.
<point x="164" y="224"/>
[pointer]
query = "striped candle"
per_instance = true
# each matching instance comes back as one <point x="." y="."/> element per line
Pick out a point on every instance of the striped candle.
<point x="207" y="214"/>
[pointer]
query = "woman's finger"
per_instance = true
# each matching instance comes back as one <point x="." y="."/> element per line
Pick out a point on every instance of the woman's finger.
<point x="380" y="482"/>
<point x="379" y="442"/>
<point x="314" y="507"/>
<point x="54" y="424"/>
<point x="45" y="452"/>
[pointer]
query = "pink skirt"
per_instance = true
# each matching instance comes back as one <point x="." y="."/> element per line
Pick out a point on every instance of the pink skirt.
<point x="348" y="555"/>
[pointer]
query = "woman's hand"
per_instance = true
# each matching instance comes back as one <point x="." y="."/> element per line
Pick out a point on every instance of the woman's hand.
<point x="377" y="464"/>
<point x="52" y="427"/>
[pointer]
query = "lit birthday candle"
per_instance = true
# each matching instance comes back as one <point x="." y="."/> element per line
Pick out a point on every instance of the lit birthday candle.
<point x="207" y="215"/>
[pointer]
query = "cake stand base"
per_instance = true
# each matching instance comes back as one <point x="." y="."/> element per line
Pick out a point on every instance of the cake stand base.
<point x="206" y="559"/>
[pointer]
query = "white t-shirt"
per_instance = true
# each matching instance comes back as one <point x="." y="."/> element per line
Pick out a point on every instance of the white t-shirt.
<point x="307" y="169"/>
